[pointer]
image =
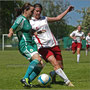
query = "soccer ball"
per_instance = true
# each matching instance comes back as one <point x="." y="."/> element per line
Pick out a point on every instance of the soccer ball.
<point x="44" y="79"/>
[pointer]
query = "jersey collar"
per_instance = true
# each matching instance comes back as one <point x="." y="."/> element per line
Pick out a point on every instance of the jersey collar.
<point x="34" y="19"/>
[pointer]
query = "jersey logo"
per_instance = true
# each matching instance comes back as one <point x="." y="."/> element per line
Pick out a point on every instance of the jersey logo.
<point x="31" y="50"/>
<point x="27" y="25"/>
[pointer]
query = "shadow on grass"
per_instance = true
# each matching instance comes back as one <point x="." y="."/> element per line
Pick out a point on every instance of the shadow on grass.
<point x="45" y="86"/>
<point x="84" y="62"/>
<point x="38" y="86"/>
<point x="58" y="82"/>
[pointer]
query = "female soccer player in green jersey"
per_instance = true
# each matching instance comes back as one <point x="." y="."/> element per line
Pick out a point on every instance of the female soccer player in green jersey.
<point x="27" y="46"/>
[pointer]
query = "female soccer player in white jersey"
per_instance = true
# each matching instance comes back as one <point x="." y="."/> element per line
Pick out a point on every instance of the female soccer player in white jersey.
<point x="46" y="42"/>
<point x="87" y="43"/>
<point x="27" y="46"/>
<point x="77" y="37"/>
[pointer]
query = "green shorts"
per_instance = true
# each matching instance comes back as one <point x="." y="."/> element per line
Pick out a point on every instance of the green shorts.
<point x="28" y="50"/>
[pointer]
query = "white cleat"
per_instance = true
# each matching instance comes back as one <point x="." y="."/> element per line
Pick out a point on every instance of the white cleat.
<point x="70" y="84"/>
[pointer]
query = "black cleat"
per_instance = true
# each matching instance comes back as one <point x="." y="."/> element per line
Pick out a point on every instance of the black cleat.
<point x="53" y="76"/>
<point x="25" y="82"/>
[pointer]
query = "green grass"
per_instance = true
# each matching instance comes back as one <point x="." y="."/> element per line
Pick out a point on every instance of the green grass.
<point x="13" y="67"/>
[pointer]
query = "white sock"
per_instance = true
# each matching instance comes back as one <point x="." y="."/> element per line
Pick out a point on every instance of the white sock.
<point x="61" y="73"/>
<point x="86" y="52"/>
<point x="78" y="57"/>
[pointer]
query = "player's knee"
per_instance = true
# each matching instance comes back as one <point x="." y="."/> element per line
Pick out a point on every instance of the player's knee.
<point x="56" y="66"/>
<point x="39" y="58"/>
<point x="78" y="51"/>
<point x="73" y="52"/>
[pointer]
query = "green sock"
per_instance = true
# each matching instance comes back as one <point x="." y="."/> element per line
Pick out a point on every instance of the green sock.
<point x="35" y="72"/>
<point x="31" y="68"/>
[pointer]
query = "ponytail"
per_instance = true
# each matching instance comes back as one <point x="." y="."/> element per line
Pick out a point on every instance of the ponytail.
<point x="18" y="12"/>
<point x="21" y="10"/>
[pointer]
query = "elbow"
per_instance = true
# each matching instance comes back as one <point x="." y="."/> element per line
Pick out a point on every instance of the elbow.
<point x="58" y="18"/>
<point x="70" y="36"/>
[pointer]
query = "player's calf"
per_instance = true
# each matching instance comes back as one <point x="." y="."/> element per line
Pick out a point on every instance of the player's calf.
<point x="53" y="76"/>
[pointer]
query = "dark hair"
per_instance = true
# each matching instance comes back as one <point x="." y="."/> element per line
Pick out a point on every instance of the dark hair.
<point x="26" y="6"/>
<point x="38" y="5"/>
<point x="21" y="10"/>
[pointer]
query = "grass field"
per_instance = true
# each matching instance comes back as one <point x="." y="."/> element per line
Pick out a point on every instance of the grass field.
<point x="13" y="67"/>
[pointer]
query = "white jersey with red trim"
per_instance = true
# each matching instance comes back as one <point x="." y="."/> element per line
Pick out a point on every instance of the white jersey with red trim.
<point x="88" y="39"/>
<point x="45" y="38"/>
<point x="78" y="36"/>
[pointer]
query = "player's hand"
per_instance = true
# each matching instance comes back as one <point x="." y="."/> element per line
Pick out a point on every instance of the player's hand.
<point x="10" y="35"/>
<point x="74" y="38"/>
<point x="41" y="62"/>
<point x="35" y="33"/>
<point x="70" y="8"/>
<point x="82" y="38"/>
<point x="10" y="32"/>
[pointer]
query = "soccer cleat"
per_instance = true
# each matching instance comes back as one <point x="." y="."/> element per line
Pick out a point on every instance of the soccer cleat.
<point x="53" y="76"/>
<point x="25" y="82"/>
<point x="70" y="84"/>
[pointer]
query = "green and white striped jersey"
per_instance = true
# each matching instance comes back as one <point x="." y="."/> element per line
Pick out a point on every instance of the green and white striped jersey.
<point x="22" y="28"/>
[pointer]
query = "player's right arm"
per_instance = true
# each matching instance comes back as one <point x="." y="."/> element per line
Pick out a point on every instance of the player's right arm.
<point x="10" y="32"/>
<point x="14" y="26"/>
<point x="72" y="35"/>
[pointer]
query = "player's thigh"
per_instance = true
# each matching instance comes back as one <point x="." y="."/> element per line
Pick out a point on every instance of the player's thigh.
<point x="45" y="53"/>
<point x="36" y="56"/>
<point x="74" y="45"/>
<point x="28" y="51"/>
<point x="53" y="61"/>
<point x="79" y="46"/>
<point x="87" y="47"/>
<point x="57" y="52"/>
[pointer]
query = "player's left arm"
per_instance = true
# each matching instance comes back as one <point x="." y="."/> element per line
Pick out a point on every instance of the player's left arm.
<point x="83" y="37"/>
<point x="60" y="16"/>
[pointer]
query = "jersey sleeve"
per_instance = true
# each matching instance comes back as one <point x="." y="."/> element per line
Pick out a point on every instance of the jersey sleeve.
<point x="83" y="35"/>
<point x="16" y="23"/>
<point x="86" y="38"/>
<point x="72" y="34"/>
<point x="14" y="26"/>
<point x="46" y="18"/>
